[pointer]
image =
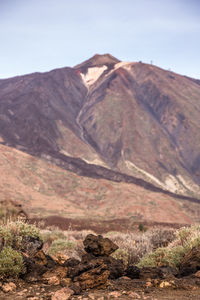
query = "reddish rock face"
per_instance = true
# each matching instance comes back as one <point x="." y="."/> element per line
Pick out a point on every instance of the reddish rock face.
<point x="128" y="120"/>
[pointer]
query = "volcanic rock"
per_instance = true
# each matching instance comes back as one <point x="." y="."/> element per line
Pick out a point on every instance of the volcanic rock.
<point x="99" y="246"/>
<point x="115" y="266"/>
<point x="31" y="245"/>
<point x="94" y="277"/>
<point x="9" y="287"/>
<point x="133" y="272"/>
<point x="190" y="263"/>
<point x="71" y="262"/>
<point x="62" y="294"/>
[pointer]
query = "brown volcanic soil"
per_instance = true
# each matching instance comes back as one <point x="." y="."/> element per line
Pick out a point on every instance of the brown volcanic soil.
<point x="45" y="190"/>
<point x="99" y="226"/>
<point x="184" y="289"/>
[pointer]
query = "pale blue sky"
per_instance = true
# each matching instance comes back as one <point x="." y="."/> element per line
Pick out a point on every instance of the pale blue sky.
<point x="40" y="35"/>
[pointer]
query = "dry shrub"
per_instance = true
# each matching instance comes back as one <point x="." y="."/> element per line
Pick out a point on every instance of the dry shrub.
<point x="12" y="236"/>
<point x="68" y="242"/>
<point x="12" y="233"/>
<point x="161" y="237"/>
<point x="133" y="246"/>
<point x="186" y="239"/>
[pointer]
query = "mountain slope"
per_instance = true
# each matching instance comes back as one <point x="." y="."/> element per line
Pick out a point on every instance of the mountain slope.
<point x="44" y="190"/>
<point x="132" y="118"/>
<point x="144" y="121"/>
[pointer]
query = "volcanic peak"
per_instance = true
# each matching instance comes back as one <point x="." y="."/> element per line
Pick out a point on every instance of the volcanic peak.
<point x="98" y="60"/>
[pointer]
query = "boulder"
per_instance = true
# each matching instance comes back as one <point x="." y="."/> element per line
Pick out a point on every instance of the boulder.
<point x="168" y="272"/>
<point x="71" y="262"/>
<point x="150" y="272"/>
<point x="31" y="245"/>
<point x="115" y="266"/>
<point x="54" y="276"/>
<point x="92" y="278"/>
<point x="157" y="273"/>
<point x="8" y="287"/>
<point x="32" y="271"/>
<point x="40" y="258"/>
<point x="99" y="246"/>
<point x="133" y="272"/>
<point x="190" y="263"/>
<point x="84" y="267"/>
<point x="62" y="294"/>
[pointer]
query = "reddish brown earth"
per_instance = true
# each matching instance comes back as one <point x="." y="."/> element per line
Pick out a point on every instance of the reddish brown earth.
<point x="122" y="288"/>
<point x="129" y="132"/>
<point x="46" y="190"/>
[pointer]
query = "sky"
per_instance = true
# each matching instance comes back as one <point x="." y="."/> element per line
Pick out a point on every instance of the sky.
<point x="41" y="35"/>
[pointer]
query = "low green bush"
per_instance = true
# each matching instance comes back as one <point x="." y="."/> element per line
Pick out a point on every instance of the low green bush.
<point x="11" y="262"/>
<point x="12" y="233"/>
<point x="163" y="257"/>
<point x="50" y="236"/>
<point x="121" y="254"/>
<point x="61" y="246"/>
<point x="11" y="236"/>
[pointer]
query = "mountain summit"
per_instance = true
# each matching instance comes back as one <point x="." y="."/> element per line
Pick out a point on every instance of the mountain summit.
<point x="98" y="60"/>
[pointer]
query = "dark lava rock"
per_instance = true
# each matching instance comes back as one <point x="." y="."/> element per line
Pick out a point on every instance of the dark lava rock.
<point x="88" y="275"/>
<point x="84" y="267"/>
<point x="168" y="272"/>
<point x="50" y="262"/>
<point x="150" y="272"/>
<point x="71" y="262"/>
<point x="87" y="257"/>
<point x="31" y="245"/>
<point x="165" y="272"/>
<point x="115" y="266"/>
<point x="92" y="278"/>
<point x="32" y="271"/>
<point x="190" y="263"/>
<point x="99" y="246"/>
<point x="133" y="272"/>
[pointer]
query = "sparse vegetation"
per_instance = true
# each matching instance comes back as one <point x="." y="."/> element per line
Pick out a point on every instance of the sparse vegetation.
<point x="11" y="262"/>
<point x="186" y="239"/>
<point x="142" y="228"/>
<point x="12" y="244"/>
<point x="61" y="246"/>
<point x="8" y="212"/>
<point x="68" y="242"/>
<point x="155" y="247"/>
<point x="134" y="245"/>
<point x="12" y="233"/>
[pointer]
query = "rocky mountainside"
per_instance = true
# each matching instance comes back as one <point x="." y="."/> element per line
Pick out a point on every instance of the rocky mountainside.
<point x="44" y="190"/>
<point x="104" y="118"/>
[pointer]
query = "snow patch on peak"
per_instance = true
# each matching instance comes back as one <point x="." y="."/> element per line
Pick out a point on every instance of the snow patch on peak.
<point x="123" y="64"/>
<point x="92" y="74"/>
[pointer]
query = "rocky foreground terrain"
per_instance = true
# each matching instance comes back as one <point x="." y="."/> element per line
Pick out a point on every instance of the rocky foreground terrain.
<point x="98" y="275"/>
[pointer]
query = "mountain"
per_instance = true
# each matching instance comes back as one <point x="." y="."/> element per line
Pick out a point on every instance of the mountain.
<point x="122" y="121"/>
